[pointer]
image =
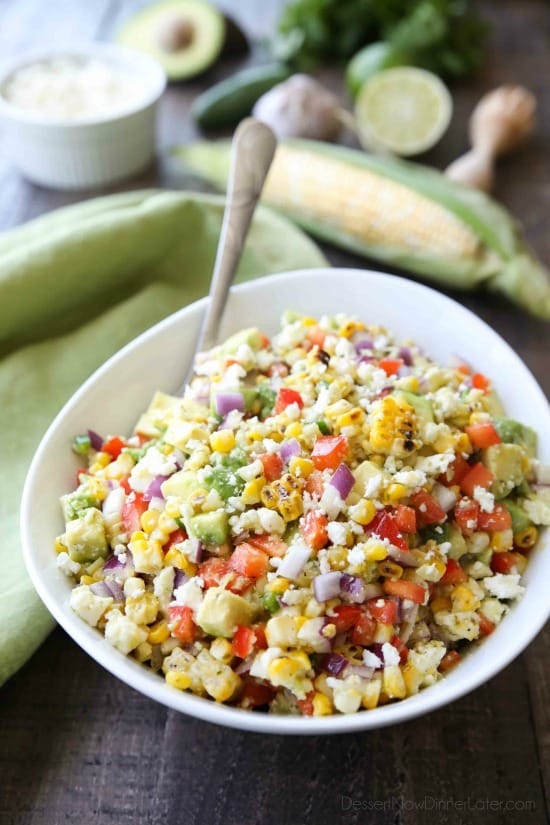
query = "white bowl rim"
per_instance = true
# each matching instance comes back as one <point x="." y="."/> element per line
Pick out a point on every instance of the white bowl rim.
<point x="137" y="676"/>
<point x="112" y="53"/>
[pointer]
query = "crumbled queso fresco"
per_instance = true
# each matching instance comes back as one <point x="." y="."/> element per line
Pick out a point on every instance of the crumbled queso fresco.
<point x="324" y="523"/>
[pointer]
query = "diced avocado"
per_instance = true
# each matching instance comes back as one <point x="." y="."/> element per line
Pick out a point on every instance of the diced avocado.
<point x="251" y="337"/>
<point x="270" y="602"/>
<point x="181" y="484"/>
<point x="520" y="519"/>
<point x="441" y="533"/>
<point x="185" y="36"/>
<point x="436" y="532"/>
<point x="225" y="481"/>
<point x="363" y="474"/>
<point x="513" y="432"/>
<point x="210" y="528"/>
<point x="85" y="537"/>
<point x="493" y="404"/>
<point x="179" y="433"/>
<point x="162" y="409"/>
<point x="75" y="504"/>
<point x="221" y="612"/>
<point x="458" y="543"/>
<point x="421" y="405"/>
<point x="507" y="464"/>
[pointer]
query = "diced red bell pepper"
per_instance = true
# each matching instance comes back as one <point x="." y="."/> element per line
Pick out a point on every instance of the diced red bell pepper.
<point x="466" y="513"/>
<point x="184" y="626"/>
<point x="132" y="510"/>
<point x="243" y="641"/>
<point x="306" y="705"/>
<point x="383" y="610"/>
<point x="345" y="617"/>
<point x="385" y="526"/>
<point x="401" y="648"/>
<point x="427" y="509"/>
<point x="454" y="574"/>
<point x="364" y="630"/>
<point x="483" y="435"/>
<point x="405" y="590"/>
<point x="314" y="529"/>
<point x="286" y="397"/>
<point x="317" y="336"/>
<point x="449" y="661"/>
<point x="273" y="466"/>
<point x="315" y="484"/>
<point x="249" y="561"/>
<point x="405" y="518"/>
<point x="503" y="562"/>
<point x="213" y="570"/>
<point x="113" y="446"/>
<point x="272" y="545"/>
<point x="255" y="694"/>
<point x="486" y="627"/>
<point x="499" y="519"/>
<point x="480" y="382"/>
<point x="456" y="472"/>
<point x="477" y="476"/>
<point x="329" y="451"/>
<point x="391" y="366"/>
<point x="125" y="484"/>
<point x="174" y="538"/>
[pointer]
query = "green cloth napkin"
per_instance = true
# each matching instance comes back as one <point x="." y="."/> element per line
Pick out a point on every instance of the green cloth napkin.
<point x="75" y="286"/>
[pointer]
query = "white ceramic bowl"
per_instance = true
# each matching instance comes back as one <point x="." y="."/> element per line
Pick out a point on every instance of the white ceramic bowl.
<point x="158" y="359"/>
<point x="88" y="151"/>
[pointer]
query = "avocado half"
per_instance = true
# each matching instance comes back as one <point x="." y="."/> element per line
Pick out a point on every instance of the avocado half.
<point x="185" y="36"/>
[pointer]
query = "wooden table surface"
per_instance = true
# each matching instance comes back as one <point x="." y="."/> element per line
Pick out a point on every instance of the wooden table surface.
<point x="78" y="746"/>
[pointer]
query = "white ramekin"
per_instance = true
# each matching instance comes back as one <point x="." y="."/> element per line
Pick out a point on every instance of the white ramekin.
<point x="88" y="152"/>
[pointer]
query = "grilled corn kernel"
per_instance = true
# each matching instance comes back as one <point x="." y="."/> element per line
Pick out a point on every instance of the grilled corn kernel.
<point x="322" y="706"/>
<point x="363" y="512"/>
<point x="222" y="441"/>
<point x="300" y="467"/>
<point x="59" y="546"/>
<point x="389" y="569"/>
<point x="252" y="491"/>
<point x="158" y="633"/>
<point x="143" y="652"/>
<point x="221" y="650"/>
<point x="376" y="552"/>
<point x="255" y="435"/>
<point x="293" y="430"/>
<point x="337" y="557"/>
<point x="463" y="600"/>
<point x="178" y="680"/>
<point x="394" y="493"/>
<point x="393" y="427"/>
<point x="526" y="538"/>
<point x="287" y="670"/>
<point x="87" y="580"/>
<point x="439" y="604"/>
<point x="501" y="541"/>
<point x="291" y="507"/>
<point x="149" y="520"/>
<point x="269" y="497"/>
<point x="277" y="585"/>
<point x="352" y="418"/>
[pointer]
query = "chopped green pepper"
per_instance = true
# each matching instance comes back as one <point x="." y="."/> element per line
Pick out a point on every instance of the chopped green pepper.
<point x="81" y="444"/>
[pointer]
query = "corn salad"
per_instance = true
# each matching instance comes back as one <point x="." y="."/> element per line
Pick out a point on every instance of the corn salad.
<point x="323" y="524"/>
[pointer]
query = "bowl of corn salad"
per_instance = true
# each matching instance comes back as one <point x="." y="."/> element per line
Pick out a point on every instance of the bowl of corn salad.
<point x="339" y="525"/>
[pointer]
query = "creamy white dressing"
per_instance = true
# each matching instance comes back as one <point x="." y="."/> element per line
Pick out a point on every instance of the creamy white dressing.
<point x="72" y="88"/>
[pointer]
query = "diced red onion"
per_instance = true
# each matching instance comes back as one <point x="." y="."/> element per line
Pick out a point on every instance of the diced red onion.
<point x="113" y="504"/>
<point x="376" y="648"/>
<point x="410" y="614"/>
<point x="343" y="480"/>
<point x="327" y="586"/>
<point x="244" y="666"/>
<point x="383" y="392"/>
<point x="367" y="359"/>
<point x="154" y="489"/>
<point x="403" y="557"/>
<point x="95" y="440"/>
<point x="224" y="402"/>
<point x="444" y="496"/>
<point x="362" y="344"/>
<point x="294" y="561"/>
<point x="355" y="590"/>
<point x="114" y="563"/>
<point x="196" y="550"/>
<point x="334" y="663"/>
<point x="399" y="616"/>
<point x="101" y="589"/>
<point x="362" y="671"/>
<point x="406" y="355"/>
<point x="115" y="589"/>
<point x="289" y="449"/>
<point x="403" y="371"/>
<point x="179" y="578"/>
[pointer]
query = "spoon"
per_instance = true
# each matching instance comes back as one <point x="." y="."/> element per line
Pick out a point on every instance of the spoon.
<point x="253" y="148"/>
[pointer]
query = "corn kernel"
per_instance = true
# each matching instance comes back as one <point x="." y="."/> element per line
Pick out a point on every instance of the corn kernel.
<point x="87" y="580"/>
<point x="278" y="585"/>
<point x="463" y="599"/>
<point x="255" y="435"/>
<point x="363" y="512"/>
<point x="178" y="680"/>
<point x="98" y="488"/>
<point x="501" y="541"/>
<point x="59" y="546"/>
<point x="395" y="492"/>
<point x="527" y="538"/>
<point x="175" y="558"/>
<point x="291" y="507"/>
<point x="410" y="383"/>
<point x="222" y="441"/>
<point x="389" y="569"/>
<point x="158" y="633"/>
<point x="393" y="682"/>
<point x="172" y="509"/>
<point x="383" y="633"/>
<point x="138" y="536"/>
<point x="252" y="491"/>
<point x="306" y="321"/>
<point x="463" y="444"/>
<point x="139" y="546"/>
<point x="376" y="552"/>
<point x="149" y="520"/>
<point x="221" y="650"/>
<point x="102" y="459"/>
<point x="350" y="327"/>
<point x="166" y="524"/>
<point x="322" y="706"/>
<point x="412" y="677"/>
<point x="143" y="652"/>
<point x="439" y="604"/>
<point x="353" y="418"/>
<point x="300" y="467"/>
<point x="371" y="693"/>
<point x="294" y="430"/>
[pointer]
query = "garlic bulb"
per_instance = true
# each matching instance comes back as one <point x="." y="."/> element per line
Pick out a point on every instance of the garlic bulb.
<point x="300" y="107"/>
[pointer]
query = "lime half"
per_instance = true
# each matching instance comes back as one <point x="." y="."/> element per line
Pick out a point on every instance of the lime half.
<point x="404" y="110"/>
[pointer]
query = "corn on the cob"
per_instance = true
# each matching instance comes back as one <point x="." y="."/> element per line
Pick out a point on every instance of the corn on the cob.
<point x="401" y="213"/>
